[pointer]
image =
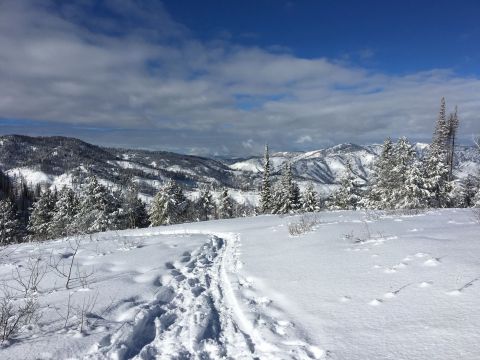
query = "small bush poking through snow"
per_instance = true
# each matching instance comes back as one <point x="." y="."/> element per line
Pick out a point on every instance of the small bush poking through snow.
<point x="16" y="313"/>
<point x="306" y="223"/>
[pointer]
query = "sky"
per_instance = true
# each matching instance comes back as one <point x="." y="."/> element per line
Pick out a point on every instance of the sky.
<point x="224" y="77"/>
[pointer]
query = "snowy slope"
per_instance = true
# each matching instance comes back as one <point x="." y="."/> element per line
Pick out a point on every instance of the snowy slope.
<point x="359" y="286"/>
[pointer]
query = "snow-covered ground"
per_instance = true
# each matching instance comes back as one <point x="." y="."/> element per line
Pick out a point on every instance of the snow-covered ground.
<point x="358" y="286"/>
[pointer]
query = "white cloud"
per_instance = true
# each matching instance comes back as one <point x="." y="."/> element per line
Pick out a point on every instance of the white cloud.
<point x="304" y="139"/>
<point x="158" y="79"/>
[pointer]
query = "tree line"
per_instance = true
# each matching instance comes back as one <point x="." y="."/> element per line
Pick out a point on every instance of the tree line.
<point x="401" y="179"/>
<point x="51" y="214"/>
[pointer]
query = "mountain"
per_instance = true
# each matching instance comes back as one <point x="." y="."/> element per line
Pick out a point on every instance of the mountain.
<point x="58" y="161"/>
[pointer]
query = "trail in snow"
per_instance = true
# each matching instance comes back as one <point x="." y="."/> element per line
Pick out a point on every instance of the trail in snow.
<point x="198" y="316"/>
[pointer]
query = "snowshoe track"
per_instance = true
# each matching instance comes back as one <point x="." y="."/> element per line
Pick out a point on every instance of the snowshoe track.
<point x="197" y="316"/>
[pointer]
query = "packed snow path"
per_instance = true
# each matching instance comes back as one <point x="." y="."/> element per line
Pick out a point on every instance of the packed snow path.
<point x="196" y="316"/>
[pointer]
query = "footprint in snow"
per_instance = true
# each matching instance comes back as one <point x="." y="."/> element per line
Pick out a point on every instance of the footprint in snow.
<point x="345" y="299"/>
<point x="432" y="262"/>
<point x="425" y="284"/>
<point x="375" y="302"/>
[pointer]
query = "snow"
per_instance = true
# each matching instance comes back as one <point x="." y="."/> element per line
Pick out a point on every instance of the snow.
<point x="360" y="285"/>
<point x="31" y="176"/>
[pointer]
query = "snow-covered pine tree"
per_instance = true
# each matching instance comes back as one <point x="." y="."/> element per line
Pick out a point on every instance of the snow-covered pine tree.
<point x="476" y="200"/>
<point x="132" y="213"/>
<point x="347" y="196"/>
<point x="10" y="231"/>
<point x="289" y="197"/>
<point x="97" y="209"/>
<point x="436" y="165"/>
<point x="205" y="206"/>
<point x="266" y="199"/>
<point x="408" y="188"/>
<point x="452" y="126"/>
<point x="412" y="193"/>
<point x="381" y="184"/>
<point x="40" y="222"/>
<point x="310" y="202"/>
<point x="65" y="210"/>
<point x="226" y="205"/>
<point x="277" y="198"/>
<point x="169" y="206"/>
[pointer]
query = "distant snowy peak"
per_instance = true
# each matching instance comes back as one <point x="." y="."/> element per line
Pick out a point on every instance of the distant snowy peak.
<point x="58" y="161"/>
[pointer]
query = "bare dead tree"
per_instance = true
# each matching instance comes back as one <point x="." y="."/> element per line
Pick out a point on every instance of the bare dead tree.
<point x="29" y="280"/>
<point x="65" y="269"/>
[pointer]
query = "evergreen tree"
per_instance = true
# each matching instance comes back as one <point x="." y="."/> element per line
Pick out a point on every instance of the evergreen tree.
<point x="39" y="225"/>
<point x="436" y="164"/>
<point x="452" y="127"/>
<point x="310" y="202"/>
<point x="266" y="200"/>
<point x="470" y="187"/>
<point x="169" y="206"/>
<point x="226" y="205"/>
<point x="134" y="212"/>
<point x="476" y="200"/>
<point x="380" y="194"/>
<point x="289" y="194"/>
<point x="65" y="210"/>
<point x="205" y="205"/>
<point x="347" y="196"/>
<point x="412" y="194"/>
<point x="9" y="225"/>
<point x="97" y="209"/>
<point x="408" y="187"/>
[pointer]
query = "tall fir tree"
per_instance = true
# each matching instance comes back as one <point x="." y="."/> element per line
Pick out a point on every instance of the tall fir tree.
<point x="10" y="230"/>
<point x="347" y="196"/>
<point x="288" y="197"/>
<point x="65" y="210"/>
<point x="169" y="206"/>
<point x="381" y="183"/>
<point x="436" y="167"/>
<point x="452" y="127"/>
<point x="266" y="199"/>
<point x="205" y="206"/>
<point x="134" y="212"/>
<point x="310" y="201"/>
<point x="226" y="205"/>
<point x="39" y="226"/>
<point x="97" y="209"/>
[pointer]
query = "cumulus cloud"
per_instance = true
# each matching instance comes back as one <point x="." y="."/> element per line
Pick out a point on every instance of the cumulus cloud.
<point x="147" y="81"/>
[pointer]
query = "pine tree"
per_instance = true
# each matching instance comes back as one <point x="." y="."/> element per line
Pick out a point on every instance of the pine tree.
<point x="266" y="200"/>
<point x="205" y="205"/>
<point x="169" y="206"/>
<point x="452" y="126"/>
<point x="380" y="193"/>
<point x="436" y="164"/>
<point x="133" y="210"/>
<point x="288" y="197"/>
<point x="9" y="225"/>
<point x="476" y="200"/>
<point x="39" y="225"/>
<point x="347" y="196"/>
<point x="97" y="209"/>
<point x="310" y="202"/>
<point x="65" y="210"/>
<point x="412" y="194"/>
<point x="226" y="205"/>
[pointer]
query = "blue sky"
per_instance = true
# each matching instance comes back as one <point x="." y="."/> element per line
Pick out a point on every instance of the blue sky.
<point x="392" y="36"/>
<point x="225" y="77"/>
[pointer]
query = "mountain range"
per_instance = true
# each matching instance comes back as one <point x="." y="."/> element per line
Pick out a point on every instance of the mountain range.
<point x="58" y="161"/>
